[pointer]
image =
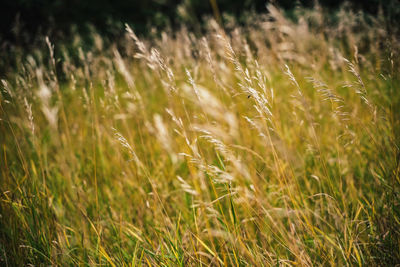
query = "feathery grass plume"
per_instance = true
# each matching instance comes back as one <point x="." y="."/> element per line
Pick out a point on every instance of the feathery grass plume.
<point x="121" y="139"/>
<point x="52" y="58"/>
<point x="28" y="108"/>
<point x="209" y="58"/>
<point x="6" y="88"/>
<point x="45" y="94"/>
<point x="140" y="45"/>
<point x="160" y="62"/>
<point x="359" y="85"/>
<point x="227" y="153"/>
<point x="186" y="187"/>
<point x="191" y="81"/>
<point x="153" y="59"/>
<point x="123" y="70"/>
<point x="336" y="101"/>
<point x="164" y="137"/>
<point x="293" y="80"/>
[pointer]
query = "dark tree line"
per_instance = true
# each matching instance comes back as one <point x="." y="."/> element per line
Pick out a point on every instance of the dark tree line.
<point x="21" y="20"/>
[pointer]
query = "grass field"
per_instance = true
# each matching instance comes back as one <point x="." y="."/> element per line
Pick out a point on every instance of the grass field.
<point x="271" y="143"/>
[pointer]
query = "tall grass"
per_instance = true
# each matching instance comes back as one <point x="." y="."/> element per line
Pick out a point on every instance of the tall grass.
<point x="271" y="143"/>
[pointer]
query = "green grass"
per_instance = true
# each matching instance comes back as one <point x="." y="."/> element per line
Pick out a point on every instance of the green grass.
<point x="274" y="143"/>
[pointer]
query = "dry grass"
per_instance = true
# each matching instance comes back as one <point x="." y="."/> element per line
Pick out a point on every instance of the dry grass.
<point x="273" y="143"/>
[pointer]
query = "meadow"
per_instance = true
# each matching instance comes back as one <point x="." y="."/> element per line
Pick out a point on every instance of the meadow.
<point x="270" y="143"/>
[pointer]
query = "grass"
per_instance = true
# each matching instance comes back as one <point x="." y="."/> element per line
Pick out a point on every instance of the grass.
<point x="271" y="143"/>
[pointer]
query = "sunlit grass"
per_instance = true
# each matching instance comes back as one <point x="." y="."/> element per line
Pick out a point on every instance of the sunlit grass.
<point x="274" y="143"/>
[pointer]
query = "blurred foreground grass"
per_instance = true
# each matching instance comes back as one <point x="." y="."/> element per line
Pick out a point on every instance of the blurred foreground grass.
<point x="273" y="143"/>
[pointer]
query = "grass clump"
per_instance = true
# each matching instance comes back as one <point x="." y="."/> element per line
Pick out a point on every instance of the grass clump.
<point x="273" y="143"/>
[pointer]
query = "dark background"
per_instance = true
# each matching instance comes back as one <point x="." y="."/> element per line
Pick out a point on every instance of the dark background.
<point x="22" y="20"/>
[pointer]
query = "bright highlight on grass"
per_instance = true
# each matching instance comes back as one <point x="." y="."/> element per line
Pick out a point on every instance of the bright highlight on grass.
<point x="270" y="143"/>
